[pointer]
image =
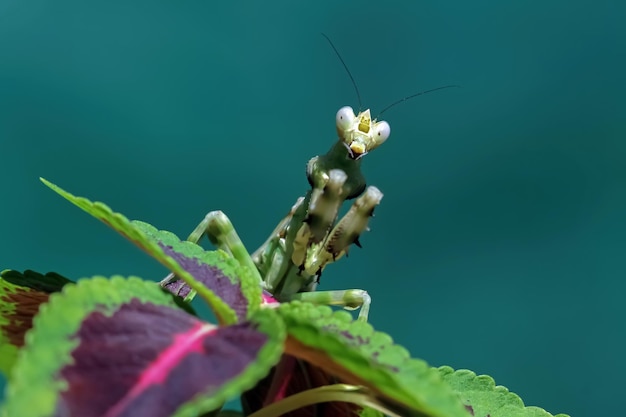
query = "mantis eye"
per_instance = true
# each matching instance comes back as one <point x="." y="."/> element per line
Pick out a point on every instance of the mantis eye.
<point x="345" y="118"/>
<point x="382" y="130"/>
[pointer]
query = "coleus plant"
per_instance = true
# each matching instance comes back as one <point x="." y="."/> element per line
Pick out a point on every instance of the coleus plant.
<point x="127" y="347"/>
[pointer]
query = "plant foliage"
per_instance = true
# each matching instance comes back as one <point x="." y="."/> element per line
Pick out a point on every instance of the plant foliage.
<point x="123" y="346"/>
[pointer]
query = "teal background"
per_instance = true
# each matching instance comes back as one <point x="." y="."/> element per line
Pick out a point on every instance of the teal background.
<point x="500" y="245"/>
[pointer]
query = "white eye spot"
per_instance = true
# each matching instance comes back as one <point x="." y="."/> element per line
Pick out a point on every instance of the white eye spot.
<point x="382" y="130"/>
<point x="345" y="118"/>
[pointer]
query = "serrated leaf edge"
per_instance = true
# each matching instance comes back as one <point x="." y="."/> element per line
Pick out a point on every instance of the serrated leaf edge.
<point x="124" y="226"/>
<point x="305" y="323"/>
<point x="49" y="344"/>
<point x="488" y="384"/>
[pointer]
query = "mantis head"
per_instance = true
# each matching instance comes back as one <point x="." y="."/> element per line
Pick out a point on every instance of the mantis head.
<point x="359" y="133"/>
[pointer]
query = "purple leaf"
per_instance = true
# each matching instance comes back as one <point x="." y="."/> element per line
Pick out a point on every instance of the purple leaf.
<point x="147" y="360"/>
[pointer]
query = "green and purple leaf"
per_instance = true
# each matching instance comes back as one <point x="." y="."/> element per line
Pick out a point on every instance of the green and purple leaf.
<point x="21" y="294"/>
<point x="482" y="398"/>
<point x="356" y="354"/>
<point x="231" y="290"/>
<point x="121" y="347"/>
<point x="214" y="269"/>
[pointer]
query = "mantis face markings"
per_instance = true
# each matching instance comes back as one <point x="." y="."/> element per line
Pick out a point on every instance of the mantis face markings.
<point x="359" y="133"/>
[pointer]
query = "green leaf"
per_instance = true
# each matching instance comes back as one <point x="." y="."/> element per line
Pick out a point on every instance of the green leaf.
<point x="358" y="355"/>
<point x="227" y="287"/>
<point x="21" y="294"/>
<point x="483" y="398"/>
<point x="120" y="347"/>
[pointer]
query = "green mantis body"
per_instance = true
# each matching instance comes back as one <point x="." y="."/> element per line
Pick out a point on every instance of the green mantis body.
<point x="288" y="265"/>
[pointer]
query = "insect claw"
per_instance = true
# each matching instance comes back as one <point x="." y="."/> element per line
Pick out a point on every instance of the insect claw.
<point x="358" y="243"/>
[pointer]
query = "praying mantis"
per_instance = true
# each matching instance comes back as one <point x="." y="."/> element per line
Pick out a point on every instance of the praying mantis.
<point x="289" y="263"/>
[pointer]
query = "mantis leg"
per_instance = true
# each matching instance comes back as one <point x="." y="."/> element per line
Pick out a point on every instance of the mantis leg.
<point x="270" y="258"/>
<point x="348" y="299"/>
<point x="221" y="232"/>
<point x="279" y="233"/>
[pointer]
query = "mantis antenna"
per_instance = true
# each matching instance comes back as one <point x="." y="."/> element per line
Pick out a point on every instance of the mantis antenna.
<point x="358" y="94"/>
<point x="413" y="95"/>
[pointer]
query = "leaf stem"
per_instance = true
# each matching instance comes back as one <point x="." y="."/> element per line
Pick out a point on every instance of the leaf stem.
<point x="337" y="392"/>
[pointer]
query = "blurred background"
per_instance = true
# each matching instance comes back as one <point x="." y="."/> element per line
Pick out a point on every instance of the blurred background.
<point x="500" y="245"/>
